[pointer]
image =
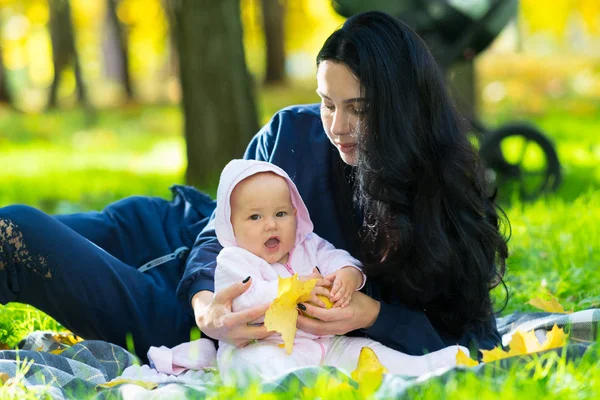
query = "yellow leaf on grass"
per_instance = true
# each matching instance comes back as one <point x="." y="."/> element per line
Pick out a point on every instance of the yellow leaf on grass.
<point x="116" y="382"/>
<point x="555" y="338"/>
<point x="282" y="314"/>
<point x="464" y="359"/>
<point x="551" y="305"/>
<point x="369" y="372"/>
<point x="523" y="343"/>
<point x="494" y="355"/>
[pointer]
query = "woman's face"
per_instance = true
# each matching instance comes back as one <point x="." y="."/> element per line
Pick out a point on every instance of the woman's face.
<point x="342" y="106"/>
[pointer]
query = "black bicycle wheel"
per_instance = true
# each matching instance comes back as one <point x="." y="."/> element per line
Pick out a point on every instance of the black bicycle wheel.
<point x="520" y="155"/>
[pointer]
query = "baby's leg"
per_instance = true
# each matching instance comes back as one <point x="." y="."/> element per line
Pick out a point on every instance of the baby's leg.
<point x="344" y="352"/>
<point x="265" y="359"/>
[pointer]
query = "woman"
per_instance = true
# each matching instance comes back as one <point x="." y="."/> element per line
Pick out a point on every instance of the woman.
<point x="400" y="188"/>
<point x="403" y="184"/>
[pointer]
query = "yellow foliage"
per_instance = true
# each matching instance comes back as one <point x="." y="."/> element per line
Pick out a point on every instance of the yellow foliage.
<point x="282" y="314"/>
<point x="494" y="355"/>
<point x="554" y="18"/>
<point x="369" y="372"/>
<point x="116" y="382"/>
<point x="464" y="360"/>
<point x="523" y="343"/>
<point x="38" y="13"/>
<point x="526" y="343"/>
<point x="324" y="299"/>
<point x="551" y="305"/>
<point x="554" y="339"/>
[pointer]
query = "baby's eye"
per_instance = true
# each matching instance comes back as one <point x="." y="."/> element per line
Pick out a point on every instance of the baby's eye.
<point x="255" y="217"/>
<point x="281" y="214"/>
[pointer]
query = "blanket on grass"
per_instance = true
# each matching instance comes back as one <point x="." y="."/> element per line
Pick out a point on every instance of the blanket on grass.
<point x="94" y="369"/>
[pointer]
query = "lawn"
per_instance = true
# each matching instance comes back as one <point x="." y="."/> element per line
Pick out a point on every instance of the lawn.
<point x="58" y="163"/>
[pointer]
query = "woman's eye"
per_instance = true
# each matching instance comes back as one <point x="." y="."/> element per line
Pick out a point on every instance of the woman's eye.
<point x="328" y="107"/>
<point x="255" y="217"/>
<point x="281" y="214"/>
<point x="358" y="111"/>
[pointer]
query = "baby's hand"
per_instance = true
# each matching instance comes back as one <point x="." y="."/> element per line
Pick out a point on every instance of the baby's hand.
<point x="345" y="282"/>
<point x="321" y="288"/>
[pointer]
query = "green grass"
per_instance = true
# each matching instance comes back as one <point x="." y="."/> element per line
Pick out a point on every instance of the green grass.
<point x="60" y="164"/>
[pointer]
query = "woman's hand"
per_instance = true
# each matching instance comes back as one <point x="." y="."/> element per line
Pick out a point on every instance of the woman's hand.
<point x="215" y="319"/>
<point x="360" y="313"/>
<point x="321" y="287"/>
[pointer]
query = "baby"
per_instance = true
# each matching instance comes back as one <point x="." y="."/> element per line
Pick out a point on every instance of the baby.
<point x="266" y="232"/>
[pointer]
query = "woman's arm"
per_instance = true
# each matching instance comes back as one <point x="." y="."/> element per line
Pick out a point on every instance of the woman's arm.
<point x="394" y="325"/>
<point x="214" y="317"/>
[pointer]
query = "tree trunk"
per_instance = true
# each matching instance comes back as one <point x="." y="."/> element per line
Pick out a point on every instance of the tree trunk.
<point x="273" y="13"/>
<point x="461" y="76"/>
<point x="5" y="94"/>
<point x="116" y="51"/>
<point x="217" y="95"/>
<point x="64" y="50"/>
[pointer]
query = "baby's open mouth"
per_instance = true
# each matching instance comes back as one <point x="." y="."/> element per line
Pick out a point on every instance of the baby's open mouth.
<point x="272" y="242"/>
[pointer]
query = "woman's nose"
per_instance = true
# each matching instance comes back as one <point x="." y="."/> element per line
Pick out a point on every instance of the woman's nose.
<point x="339" y="124"/>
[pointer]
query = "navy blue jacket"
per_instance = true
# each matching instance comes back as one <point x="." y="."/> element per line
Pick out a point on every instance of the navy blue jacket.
<point x="294" y="139"/>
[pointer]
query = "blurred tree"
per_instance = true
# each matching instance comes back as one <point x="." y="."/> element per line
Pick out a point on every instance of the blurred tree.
<point x="64" y="51"/>
<point x="5" y="94"/>
<point x="273" y="14"/>
<point x="117" y="49"/>
<point x="217" y="95"/>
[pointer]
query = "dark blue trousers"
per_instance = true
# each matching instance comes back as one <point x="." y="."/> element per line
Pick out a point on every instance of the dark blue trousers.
<point x="81" y="269"/>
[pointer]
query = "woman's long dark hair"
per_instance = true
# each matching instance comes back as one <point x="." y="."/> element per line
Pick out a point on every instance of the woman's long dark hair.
<point x="430" y="230"/>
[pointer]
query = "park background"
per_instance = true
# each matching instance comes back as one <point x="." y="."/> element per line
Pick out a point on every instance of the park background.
<point x="102" y="119"/>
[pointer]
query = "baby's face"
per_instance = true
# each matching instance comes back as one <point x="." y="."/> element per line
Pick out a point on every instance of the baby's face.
<point x="263" y="217"/>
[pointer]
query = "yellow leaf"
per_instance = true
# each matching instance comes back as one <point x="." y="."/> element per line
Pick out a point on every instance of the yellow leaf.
<point x="324" y="299"/>
<point x="66" y="338"/>
<point x="116" y="382"/>
<point x="555" y="338"/>
<point x="282" y="314"/>
<point x="464" y="359"/>
<point x="552" y="305"/>
<point x="369" y="372"/>
<point x="523" y="343"/>
<point x="494" y="355"/>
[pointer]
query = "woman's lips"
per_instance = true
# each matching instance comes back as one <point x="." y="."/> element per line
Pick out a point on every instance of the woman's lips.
<point x="346" y="148"/>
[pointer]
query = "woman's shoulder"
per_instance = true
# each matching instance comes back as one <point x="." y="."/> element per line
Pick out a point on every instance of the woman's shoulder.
<point x="298" y="118"/>
<point x="304" y="110"/>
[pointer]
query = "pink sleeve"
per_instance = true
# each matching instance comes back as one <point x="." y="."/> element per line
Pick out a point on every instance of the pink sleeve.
<point x="234" y="265"/>
<point x="330" y="259"/>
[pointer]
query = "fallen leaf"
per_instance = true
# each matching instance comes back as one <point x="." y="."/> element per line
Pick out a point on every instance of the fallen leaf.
<point x="551" y="305"/>
<point x="527" y="343"/>
<point x="465" y="360"/>
<point x="282" y="314"/>
<point x="523" y="343"/>
<point x="494" y="355"/>
<point x="116" y="382"/>
<point x="4" y="377"/>
<point x="67" y="338"/>
<point x="369" y="372"/>
<point x="555" y="338"/>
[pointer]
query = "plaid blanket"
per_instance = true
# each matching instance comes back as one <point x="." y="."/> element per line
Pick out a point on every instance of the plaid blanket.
<point x="85" y="369"/>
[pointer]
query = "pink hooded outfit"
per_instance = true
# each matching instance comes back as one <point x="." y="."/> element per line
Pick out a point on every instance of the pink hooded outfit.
<point x="234" y="264"/>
